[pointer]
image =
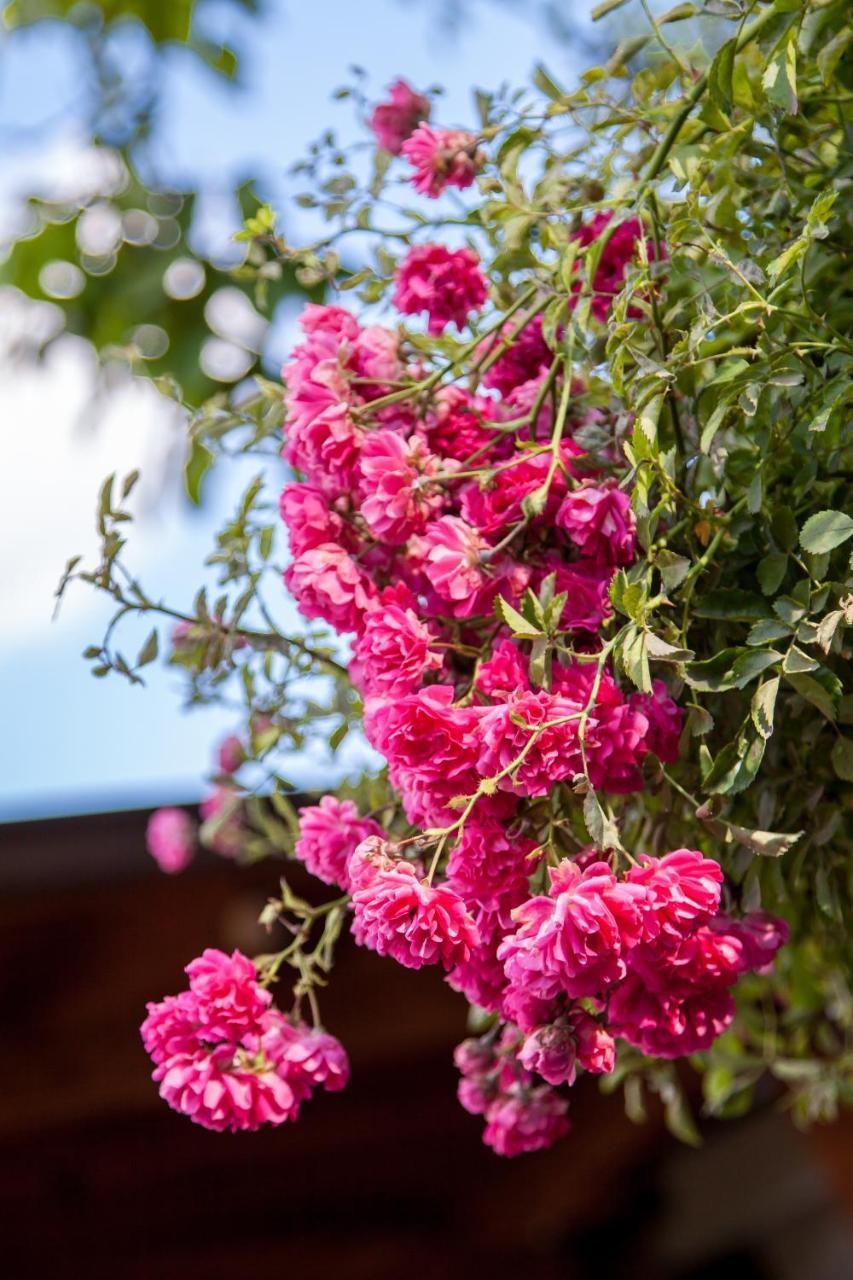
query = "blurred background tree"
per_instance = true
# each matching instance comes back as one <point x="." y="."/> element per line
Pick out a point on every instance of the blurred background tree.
<point x="117" y="256"/>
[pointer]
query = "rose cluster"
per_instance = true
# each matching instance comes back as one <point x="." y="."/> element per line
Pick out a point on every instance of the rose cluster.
<point x="225" y="1057"/>
<point x="453" y="522"/>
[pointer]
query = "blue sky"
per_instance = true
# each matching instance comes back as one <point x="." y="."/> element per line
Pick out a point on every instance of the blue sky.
<point x="71" y="743"/>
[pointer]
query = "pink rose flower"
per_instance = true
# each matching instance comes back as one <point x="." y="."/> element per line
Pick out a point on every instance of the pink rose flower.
<point x="393" y="653"/>
<point x="450" y="554"/>
<point x="327" y="583"/>
<point x="230" y="1001"/>
<point x="222" y="821"/>
<point x="596" y="1046"/>
<point x="227" y="1088"/>
<point x="494" y="509"/>
<point x="575" y="940"/>
<point x="665" y="718"/>
<point x="395" y="120"/>
<point x="682" y="892"/>
<point x="170" y="836"/>
<point x="231" y="754"/>
<point x="505" y="673"/>
<point x="528" y="1120"/>
<point x="669" y="1026"/>
<point x="458" y="425"/>
<point x="619" y="746"/>
<point x="587" y="586"/>
<point x="313" y="1057"/>
<point x="398" y="914"/>
<point x="555" y="1050"/>
<point x="329" y="833"/>
<point x="760" y="934"/>
<point x="481" y="978"/>
<point x="527" y="356"/>
<point x="540" y="731"/>
<point x="598" y="518"/>
<point x="442" y="158"/>
<point x="490" y="869"/>
<point x="424" y="733"/>
<point x="620" y="250"/>
<point x="216" y="1048"/>
<point x="447" y="284"/>
<point x="551" y="1052"/>
<point x="395" y="476"/>
<point x="309" y="518"/>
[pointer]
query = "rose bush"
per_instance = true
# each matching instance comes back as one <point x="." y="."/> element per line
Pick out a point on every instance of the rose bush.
<point x="578" y="524"/>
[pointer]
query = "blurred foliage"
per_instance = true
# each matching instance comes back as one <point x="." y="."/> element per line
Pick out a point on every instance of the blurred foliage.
<point x="145" y="300"/>
<point x="166" y="21"/>
<point x="142" y="296"/>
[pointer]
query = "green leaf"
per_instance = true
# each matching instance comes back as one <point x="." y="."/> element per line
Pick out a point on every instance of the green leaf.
<point x="518" y="625"/>
<point x="766" y="631"/>
<point x="648" y="419"/>
<point x="829" y="56"/>
<point x="771" y="571"/>
<point x="673" y="569"/>
<point x="678" y="14"/>
<point x="842" y="758"/>
<point x="783" y="526"/>
<point x="149" y="650"/>
<point x="779" y="81"/>
<point x="720" y="75"/>
<point x="764" y="705"/>
<point x="825" y="531"/>
<point x="678" y="1119"/>
<point x="770" y="844"/>
<point x="755" y="494"/>
<point x="730" y="669"/>
<point x="603" y="831"/>
<point x="732" y="603"/>
<point x="813" y="691"/>
<point x="796" y="661"/>
<point x="607" y="6"/>
<point x="198" y="463"/>
<point x="665" y="652"/>
<point x="714" y="423"/>
<point x="545" y="82"/>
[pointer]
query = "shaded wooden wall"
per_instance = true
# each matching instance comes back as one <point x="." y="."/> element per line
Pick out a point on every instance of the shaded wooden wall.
<point x="99" y="1178"/>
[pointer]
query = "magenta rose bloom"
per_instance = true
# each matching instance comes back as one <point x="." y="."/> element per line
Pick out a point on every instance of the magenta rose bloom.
<point x="620" y="250"/>
<point x="447" y="284"/>
<point x="312" y="1059"/>
<point x="329" y="833"/>
<point x="665" y="719"/>
<point x="669" y="1026"/>
<point x="327" y="583"/>
<point x="598" y="518"/>
<point x="393" y="653"/>
<point x="526" y="357"/>
<point x="540" y="731"/>
<point x="170" y="837"/>
<point x="395" y="120"/>
<point x="528" y="1120"/>
<point x="682" y="892"/>
<point x="220" y="1051"/>
<point x="442" y="158"/>
<point x="397" y="913"/>
<point x="394" y="481"/>
<point x="576" y="939"/>
<point x="309" y="518"/>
